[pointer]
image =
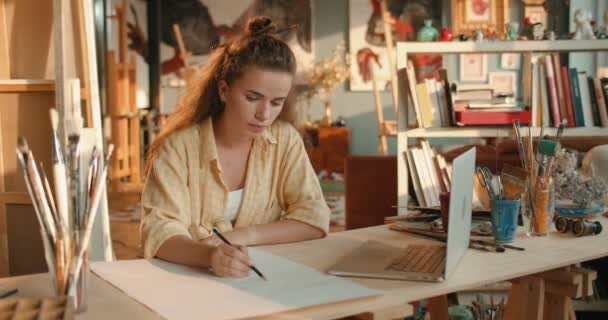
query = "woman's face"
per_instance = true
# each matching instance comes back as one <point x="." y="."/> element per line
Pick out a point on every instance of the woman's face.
<point x="253" y="101"/>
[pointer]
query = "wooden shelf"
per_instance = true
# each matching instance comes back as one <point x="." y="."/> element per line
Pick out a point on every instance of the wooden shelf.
<point x="27" y="85"/>
<point x="33" y="85"/>
<point x="484" y="132"/>
<point x="502" y="46"/>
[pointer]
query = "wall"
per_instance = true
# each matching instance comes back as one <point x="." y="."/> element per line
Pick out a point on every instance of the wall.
<point x="330" y="25"/>
<point x="585" y="61"/>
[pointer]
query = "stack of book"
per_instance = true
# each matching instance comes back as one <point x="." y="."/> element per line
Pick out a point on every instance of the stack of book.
<point x="430" y="175"/>
<point x="480" y="105"/>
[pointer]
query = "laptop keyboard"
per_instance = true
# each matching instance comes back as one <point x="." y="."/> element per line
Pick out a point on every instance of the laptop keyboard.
<point x="419" y="258"/>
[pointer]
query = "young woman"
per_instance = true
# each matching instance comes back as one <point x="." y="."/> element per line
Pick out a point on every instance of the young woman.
<point x="226" y="160"/>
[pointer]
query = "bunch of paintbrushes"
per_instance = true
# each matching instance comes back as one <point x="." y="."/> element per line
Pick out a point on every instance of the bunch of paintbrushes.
<point x="534" y="177"/>
<point x="66" y="218"/>
<point x="479" y="244"/>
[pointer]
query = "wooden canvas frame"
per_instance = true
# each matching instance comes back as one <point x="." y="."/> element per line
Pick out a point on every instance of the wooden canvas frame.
<point x="498" y="15"/>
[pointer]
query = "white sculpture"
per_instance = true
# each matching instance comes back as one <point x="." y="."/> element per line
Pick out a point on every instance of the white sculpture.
<point x="583" y="30"/>
<point x="538" y="31"/>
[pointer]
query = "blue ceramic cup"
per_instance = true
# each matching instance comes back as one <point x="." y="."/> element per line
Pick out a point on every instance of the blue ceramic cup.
<point x="504" y="219"/>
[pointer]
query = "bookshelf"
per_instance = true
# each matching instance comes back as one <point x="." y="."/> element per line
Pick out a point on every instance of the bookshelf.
<point x="489" y="47"/>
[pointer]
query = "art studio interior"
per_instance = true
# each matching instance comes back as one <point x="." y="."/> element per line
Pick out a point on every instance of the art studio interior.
<point x="304" y="159"/>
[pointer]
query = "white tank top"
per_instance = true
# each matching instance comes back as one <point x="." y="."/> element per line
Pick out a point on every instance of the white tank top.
<point x="234" y="203"/>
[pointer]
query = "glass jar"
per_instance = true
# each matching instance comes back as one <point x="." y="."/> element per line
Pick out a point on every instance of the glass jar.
<point x="537" y="216"/>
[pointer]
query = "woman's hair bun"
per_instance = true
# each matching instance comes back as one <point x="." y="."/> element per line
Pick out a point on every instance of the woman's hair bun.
<point x="261" y="25"/>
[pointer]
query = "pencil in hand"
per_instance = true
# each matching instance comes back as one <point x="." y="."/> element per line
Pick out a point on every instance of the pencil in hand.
<point x="217" y="232"/>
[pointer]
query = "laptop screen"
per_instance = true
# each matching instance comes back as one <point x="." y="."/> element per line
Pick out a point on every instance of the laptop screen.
<point x="461" y="195"/>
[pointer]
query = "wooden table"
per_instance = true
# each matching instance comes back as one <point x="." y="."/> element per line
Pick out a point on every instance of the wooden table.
<point x="477" y="268"/>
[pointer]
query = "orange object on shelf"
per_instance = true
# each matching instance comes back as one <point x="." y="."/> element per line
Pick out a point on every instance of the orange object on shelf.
<point x="542" y="198"/>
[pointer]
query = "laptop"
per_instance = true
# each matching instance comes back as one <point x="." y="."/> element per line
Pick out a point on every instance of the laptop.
<point x="421" y="262"/>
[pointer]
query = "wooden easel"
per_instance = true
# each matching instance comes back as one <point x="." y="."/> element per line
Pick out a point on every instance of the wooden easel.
<point x="187" y="71"/>
<point x="386" y="128"/>
<point x="125" y="173"/>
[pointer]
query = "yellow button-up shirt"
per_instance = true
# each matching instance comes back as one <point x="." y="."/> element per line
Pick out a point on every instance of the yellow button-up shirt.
<point x="184" y="193"/>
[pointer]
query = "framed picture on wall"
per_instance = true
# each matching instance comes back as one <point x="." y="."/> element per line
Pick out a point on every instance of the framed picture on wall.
<point x="504" y="82"/>
<point x="468" y="16"/>
<point x="473" y="67"/>
<point x="510" y="60"/>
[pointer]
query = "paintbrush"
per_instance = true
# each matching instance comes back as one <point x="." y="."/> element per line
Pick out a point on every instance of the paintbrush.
<point x="38" y="189"/>
<point x="558" y="136"/>
<point x="24" y="159"/>
<point x="59" y="179"/>
<point x="520" y="144"/>
<point x="83" y="245"/>
<point x="443" y="238"/>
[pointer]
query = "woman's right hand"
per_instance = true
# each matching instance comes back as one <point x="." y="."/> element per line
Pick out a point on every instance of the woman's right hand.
<point x="229" y="261"/>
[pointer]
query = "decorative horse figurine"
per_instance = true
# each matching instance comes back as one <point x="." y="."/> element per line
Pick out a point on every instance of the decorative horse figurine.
<point x="583" y="30"/>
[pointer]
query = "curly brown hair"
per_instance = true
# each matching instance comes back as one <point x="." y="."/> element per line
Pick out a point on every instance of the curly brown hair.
<point x="256" y="46"/>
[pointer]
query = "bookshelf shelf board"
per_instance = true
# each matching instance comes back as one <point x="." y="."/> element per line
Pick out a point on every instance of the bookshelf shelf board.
<point x="481" y="132"/>
<point x="502" y="46"/>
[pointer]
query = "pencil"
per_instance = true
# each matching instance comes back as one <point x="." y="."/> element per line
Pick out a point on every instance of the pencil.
<point x="217" y="232"/>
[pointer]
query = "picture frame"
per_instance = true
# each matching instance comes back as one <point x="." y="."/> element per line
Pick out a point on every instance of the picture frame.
<point x="510" y="61"/>
<point x="504" y="82"/>
<point x="469" y="16"/>
<point x="473" y="67"/>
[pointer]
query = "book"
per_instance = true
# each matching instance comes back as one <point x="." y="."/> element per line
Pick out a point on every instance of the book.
<point x="442" y="103"/>
<point x="491" y="106"/>
<point x="535" y="95"/>
<point x="508" y="109"/>
<point x="565" y="74"/>
<point x="552" y="88"/>
<point x="426" y="108"/>
<point x="443" y="75"/>
<point x="411" y="86"/>
<point x="474" y="118"/>
<point x="585" y="99"/>
<point x="559" y="86"/>
<point x="604" y="85"/>
<point x="544" y="97"/>
<point x="593" y="100"/>
<point x="577" y="104"/>
<point x="431" y="88"/>
<point x="497" y="100"/>
<point x="415" y="178"/>
<point x="430" y="164"/>
<point x="430" y="197"/>
<point x="601" y="102"/>
<point x="473" y="94"/>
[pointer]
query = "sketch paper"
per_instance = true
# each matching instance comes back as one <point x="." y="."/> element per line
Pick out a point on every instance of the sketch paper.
<point x="179" y="292"/>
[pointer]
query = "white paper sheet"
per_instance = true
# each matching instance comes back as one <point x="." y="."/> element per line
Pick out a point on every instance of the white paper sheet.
<point x="178" y="292"/>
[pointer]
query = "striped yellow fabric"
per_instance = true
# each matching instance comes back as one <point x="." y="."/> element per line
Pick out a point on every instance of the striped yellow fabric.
<point x="184" y="193"/>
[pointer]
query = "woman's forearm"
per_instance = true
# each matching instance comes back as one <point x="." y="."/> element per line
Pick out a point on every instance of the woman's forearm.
<point x="284" y="231"/>
<point x="183" y="250"/>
